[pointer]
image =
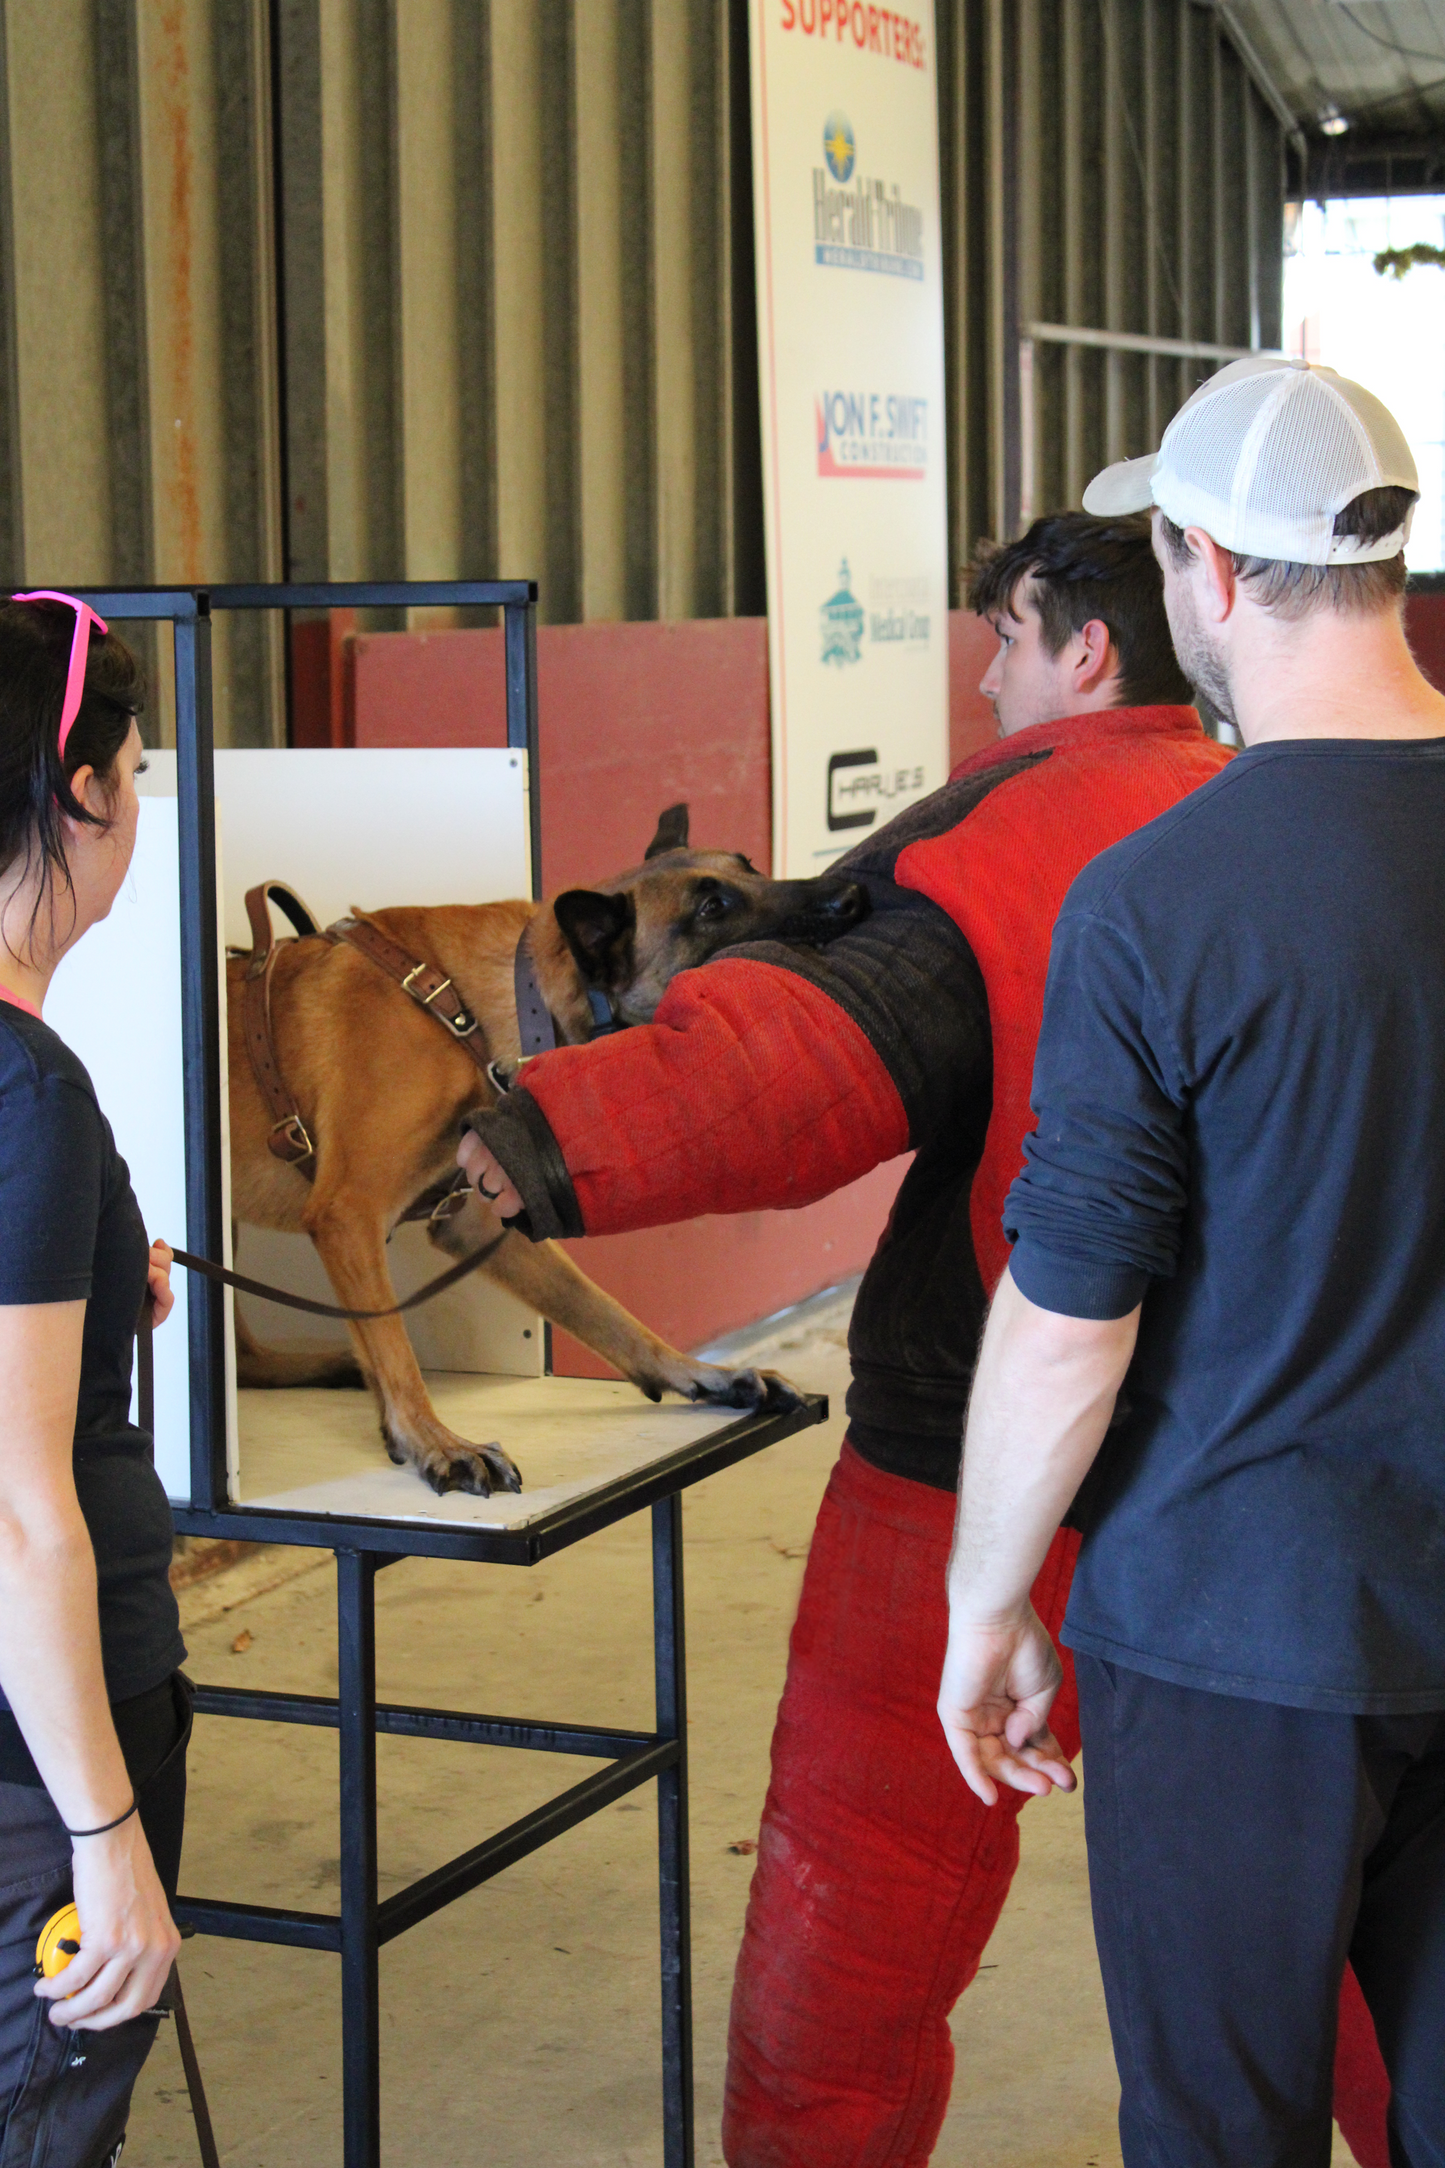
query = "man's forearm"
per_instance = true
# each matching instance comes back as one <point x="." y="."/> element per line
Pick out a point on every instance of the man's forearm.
<point x="1043" y="1397"/>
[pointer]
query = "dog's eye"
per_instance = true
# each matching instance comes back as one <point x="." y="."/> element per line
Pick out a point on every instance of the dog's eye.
<point x="713" y="904"/>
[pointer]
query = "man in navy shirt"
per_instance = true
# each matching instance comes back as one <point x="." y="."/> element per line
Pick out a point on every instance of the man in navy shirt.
<point x="1221" y="1335"/>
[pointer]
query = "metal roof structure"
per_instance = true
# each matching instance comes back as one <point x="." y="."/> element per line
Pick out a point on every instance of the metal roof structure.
<point x="1363" y="82"/>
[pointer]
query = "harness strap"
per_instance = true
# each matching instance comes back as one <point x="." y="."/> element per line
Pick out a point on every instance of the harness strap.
<point x="426" y="986"/>
<point x="288" y="1140"/>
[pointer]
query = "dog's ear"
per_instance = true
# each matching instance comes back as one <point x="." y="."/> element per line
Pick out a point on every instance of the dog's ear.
<point x="593" y="926"/>
<point x="671" y="832"/>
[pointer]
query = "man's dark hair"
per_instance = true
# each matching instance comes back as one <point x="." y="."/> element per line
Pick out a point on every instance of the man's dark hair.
<point x="1082" y="568"/>
<point x="1292" y="590"/>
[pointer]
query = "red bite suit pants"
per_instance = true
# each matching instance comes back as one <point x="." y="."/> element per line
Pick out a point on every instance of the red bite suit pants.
<point x="880" y="1876"/>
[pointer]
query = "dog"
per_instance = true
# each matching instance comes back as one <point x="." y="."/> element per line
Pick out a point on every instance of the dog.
<point x="381" y="1088"/>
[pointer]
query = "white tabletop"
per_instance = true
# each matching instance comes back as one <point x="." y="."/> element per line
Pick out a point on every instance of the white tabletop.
<point x="311" y="1451"/>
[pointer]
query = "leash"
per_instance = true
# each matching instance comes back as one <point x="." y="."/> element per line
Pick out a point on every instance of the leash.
<point x="190" y="2063"/>
<point x="266" y="1293"/>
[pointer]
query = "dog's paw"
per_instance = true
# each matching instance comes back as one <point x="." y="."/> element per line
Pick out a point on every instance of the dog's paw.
<point x="454" y="1465"/>
<point x="759" y="1391"/>
<point x="477" y="1469"/>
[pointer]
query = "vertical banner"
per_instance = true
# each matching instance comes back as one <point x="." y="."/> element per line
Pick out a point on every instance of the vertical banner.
<point x="850" y="331"/>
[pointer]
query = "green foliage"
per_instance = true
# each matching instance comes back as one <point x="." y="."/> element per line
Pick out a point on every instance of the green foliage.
<point x="1395" y="262"/>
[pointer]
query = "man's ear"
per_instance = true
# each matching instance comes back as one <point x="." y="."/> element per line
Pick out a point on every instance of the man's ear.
<point x="594" y="926"/>
<point x="1099" y="659"/>
<point x="671" y="832"/>
<point x="1215" y="571"/>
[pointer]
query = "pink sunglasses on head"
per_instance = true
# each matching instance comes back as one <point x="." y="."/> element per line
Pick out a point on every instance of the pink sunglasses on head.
<point x="85" y="617"/>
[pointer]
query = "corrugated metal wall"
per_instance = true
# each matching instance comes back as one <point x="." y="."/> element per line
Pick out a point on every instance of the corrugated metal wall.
<point x="349" y="288"/>
<point x="1110" y="165"/>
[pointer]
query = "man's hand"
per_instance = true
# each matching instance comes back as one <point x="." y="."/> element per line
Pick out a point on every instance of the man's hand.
<point x="158" y="1280"/>
<point x="128" y="1940"/>
<point x="488" y="1176"/>
<point x="999" y="1683"/>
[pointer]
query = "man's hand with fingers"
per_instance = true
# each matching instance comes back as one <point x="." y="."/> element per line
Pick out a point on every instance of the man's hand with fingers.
<point x="128" y="1940"/>
<point x="999" y="1682"/>
<point x="488" y="1176"/>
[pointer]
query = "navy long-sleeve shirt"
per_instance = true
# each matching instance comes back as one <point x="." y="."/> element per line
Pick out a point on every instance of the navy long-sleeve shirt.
<point x="1240" y="1092"/>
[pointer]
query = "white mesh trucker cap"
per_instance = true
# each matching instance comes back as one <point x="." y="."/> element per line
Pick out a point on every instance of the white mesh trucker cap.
<point x="1262" y="457"/>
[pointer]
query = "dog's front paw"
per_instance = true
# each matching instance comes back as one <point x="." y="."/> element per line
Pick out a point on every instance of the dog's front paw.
<point x="453" y="1464"/>
<point x="760" y="1391"/>
<point x="477" y="1469"/>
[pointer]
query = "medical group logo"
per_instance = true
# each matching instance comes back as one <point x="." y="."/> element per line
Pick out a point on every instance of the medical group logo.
<point x="870" y="435"/>
<point x="898" y="616"/>
<point x="867" y="227"/>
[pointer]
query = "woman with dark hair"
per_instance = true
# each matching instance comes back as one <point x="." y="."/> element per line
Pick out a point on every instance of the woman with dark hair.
<point x="94" y="1716"/>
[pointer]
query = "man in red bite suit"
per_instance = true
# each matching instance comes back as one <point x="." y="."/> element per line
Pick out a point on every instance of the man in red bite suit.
<point x="769" y="1078"/>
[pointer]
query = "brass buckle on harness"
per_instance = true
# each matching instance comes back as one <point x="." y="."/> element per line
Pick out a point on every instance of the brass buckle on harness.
<point x="462" y="1025"/>
<point x="426" y="1000"/>
<point x="450" y="1203"/>
<point x="290" y="1134"/>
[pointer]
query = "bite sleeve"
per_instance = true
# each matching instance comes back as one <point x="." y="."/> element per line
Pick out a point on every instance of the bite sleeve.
<point x="768" y="1078"/>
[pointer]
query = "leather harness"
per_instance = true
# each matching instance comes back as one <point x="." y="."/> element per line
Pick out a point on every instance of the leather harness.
<point x="289" y="1139"/>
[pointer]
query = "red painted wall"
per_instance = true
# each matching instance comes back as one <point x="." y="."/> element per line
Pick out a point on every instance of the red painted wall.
<point x="633" y="718"/>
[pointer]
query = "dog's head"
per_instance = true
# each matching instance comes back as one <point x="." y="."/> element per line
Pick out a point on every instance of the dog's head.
<point x="632" y="936"/>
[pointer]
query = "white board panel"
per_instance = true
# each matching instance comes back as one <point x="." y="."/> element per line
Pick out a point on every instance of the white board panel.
<point x="116" y="1000"/>
<point x="368" y="827"/>
<point x="371" y="828"/>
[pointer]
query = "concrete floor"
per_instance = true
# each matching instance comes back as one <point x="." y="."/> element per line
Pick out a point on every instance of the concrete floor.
<point x="520" y="2026"/>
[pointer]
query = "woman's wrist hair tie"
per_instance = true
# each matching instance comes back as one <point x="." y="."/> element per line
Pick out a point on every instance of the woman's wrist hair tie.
<point x="100" y="1832"/>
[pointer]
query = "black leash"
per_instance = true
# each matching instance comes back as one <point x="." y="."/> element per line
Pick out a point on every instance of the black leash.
<point x="243" y="1286"/>
<point x="200" y="2108"/>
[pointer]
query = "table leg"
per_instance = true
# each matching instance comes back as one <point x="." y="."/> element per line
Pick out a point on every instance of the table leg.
<point x="674" y="1903"/>
<point x="360" y="1980"/>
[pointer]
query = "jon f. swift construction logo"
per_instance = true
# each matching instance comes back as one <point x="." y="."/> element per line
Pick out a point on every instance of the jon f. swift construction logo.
<point x="867" y="227"/>
<point x="864" y="434"/>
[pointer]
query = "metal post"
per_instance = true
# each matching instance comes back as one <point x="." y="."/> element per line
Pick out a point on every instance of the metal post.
<point x="201" y="1045"/>
<point x="520" y="619"/>
<point x="674" y="1904"/>
<point x="360" y="1979"/>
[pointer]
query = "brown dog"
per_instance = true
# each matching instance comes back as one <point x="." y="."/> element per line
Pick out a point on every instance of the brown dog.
<point x="381" y="1088"/>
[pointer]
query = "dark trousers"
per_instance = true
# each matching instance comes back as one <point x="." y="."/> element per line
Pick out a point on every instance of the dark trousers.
<point x="65" y="2096"/>
<point x="1239" y="1854"/>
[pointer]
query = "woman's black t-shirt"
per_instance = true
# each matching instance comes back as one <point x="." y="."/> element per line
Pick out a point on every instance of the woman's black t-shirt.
<point x="71" y="1231"/>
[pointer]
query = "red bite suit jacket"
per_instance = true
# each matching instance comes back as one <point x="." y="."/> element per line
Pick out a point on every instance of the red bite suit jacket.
<point x="773" y="1075"/>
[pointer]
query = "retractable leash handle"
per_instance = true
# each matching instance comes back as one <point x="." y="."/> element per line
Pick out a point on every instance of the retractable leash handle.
<point x="60" y="1941"/>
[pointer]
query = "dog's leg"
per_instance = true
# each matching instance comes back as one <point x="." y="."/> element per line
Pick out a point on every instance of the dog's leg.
<point x="349" y="1238"/>
<point x="270" y="1367"/>
<point x="545" y="1277"/>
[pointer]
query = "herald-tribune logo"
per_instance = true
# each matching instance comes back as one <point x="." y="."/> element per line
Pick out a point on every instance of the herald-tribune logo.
<point x="840" y="147"/>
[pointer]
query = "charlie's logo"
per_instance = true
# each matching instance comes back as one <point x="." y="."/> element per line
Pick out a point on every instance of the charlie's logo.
<point x="839" y="147"/>
<point x="858" y="788"/>
<point x="843" y="618"/>
<point x="864" y="434"/>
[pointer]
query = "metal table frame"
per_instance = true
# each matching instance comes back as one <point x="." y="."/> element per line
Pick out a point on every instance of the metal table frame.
<point x="363" y="1546"/>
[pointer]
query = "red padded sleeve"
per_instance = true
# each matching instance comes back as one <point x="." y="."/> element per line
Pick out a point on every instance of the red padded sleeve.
<point x="750" y="1090"/>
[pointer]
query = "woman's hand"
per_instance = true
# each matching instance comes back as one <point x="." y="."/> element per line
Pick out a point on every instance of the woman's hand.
<point x="128" y="1940"/>
<point x="158" y="1278"/>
